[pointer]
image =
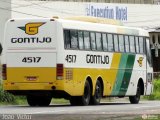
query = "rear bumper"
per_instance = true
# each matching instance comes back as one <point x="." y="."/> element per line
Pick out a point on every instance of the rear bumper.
<point x="27" y="86"/>
<point x="36" y="89"/>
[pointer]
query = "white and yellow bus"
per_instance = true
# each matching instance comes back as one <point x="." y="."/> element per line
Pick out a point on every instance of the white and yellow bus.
<point x="81" y="60"/>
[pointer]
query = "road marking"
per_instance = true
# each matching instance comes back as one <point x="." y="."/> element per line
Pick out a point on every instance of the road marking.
<point x="147" y="106"/>
<point x="60" y="111"/>
<point x="47" y="112"/>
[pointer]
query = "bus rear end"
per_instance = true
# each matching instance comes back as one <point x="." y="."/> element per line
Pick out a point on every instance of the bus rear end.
<point x="29" y="59"/>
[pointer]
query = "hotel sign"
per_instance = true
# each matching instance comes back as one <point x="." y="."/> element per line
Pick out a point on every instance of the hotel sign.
<point x="108" y="11"/>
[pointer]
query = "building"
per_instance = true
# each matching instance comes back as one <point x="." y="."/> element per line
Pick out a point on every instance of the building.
<point x="155" y="48"/>
<point x="112" y="1"/>
<point x="5" y="12"/>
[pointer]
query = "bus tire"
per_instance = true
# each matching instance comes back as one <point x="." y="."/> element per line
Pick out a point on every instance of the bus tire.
<point x="96" y="98"/>
<point x="85" y="99"/>
<point x="32" y="100"/>
<point x="135" y="99"/>
<point x="74" y="100"/>
<point x="44" y="100"/>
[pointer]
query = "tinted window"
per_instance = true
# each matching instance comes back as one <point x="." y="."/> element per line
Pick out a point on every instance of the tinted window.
<point x="110" y="42"/>
<point x="121" y="43"/>
<point x="159" y="39"/>
<point x="67" y="39"/>
<point x="127" y="43"/>
<point x="137" y="44"/>
<point x="86" y="41"/>
<point x="99" y="41"/>
<point x="74" y="39"/>
<point x="148" y="52"/>
<point x="104" y="39"/>
<point x="80" y="39"/>
<point x="132" y="44"/>
<point x="153" y="39"/>
<point x="141" y="44"/>
<point x="116" y="43"/>
<point x="93" y="40"/>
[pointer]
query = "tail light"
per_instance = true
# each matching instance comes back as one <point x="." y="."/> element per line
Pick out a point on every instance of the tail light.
<point x="59" y="71"/>
<point x="4" y="72"/>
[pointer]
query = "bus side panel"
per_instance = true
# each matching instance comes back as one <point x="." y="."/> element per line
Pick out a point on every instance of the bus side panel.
<point x="77" y="73"/>
<point x="139" y="72"/>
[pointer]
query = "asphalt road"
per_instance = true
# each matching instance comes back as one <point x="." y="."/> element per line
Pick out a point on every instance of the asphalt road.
<point x="109" y="110"/>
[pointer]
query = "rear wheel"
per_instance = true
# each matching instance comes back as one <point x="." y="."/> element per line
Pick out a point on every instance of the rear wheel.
<point x="135" y="99"/>
<point x="95" y="100"/>
<point x="32" y="100"/>
<point x="74" y="100"/>
<point x="38" y="100"/>
<point x="82" y="100"/>
<point x="44" y="101"/>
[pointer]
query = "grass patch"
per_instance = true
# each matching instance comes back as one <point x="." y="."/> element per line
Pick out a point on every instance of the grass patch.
<point x="60" y="101"/>
<point x="5" y="96"/>
<point x="9" y="99"/>
<point x="18" y="100"/>
<point x="148" y="117"/>
<point x="156" y="91"/>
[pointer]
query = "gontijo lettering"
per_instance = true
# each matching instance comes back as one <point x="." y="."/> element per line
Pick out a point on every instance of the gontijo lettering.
<point x="97" y="59"/>
<point x="31" y="40"/>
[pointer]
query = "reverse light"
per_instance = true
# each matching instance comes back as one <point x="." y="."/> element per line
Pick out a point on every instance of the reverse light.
<point x="59" y="71"/>
<point x="4" y="72"/>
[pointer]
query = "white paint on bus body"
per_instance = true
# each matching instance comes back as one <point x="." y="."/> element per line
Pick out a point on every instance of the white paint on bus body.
<point x="31" y="59"/>
<point x="20" y="38"/>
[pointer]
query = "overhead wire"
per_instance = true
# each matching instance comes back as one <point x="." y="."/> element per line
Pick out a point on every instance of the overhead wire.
<point x="40" y="7"/>
<point x="22" y="12"/>
<point x="20" y="5"/>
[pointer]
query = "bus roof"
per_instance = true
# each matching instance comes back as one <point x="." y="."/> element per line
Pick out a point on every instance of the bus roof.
<point x="107" y="27"/>
<point x="95" y="20"/>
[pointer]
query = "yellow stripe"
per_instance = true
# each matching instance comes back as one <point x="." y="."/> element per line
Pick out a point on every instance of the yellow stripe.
<point x="113" y="73"/>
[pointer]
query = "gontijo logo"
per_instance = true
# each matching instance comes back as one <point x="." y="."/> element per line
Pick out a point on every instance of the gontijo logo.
<point x="140" y="61"/>
<point x="32" y="28"/>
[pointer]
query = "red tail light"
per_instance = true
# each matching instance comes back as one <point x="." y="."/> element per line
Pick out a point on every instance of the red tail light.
<point x="4" y="72"/>
<point x="59" y="71"/>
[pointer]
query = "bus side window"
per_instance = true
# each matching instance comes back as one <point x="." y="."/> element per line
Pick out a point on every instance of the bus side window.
<point x="141" y="44"/>
<point x="104" y="40"/>
<point x="67" y="40"/>
<point x="93" y="40"/>
<point x="137" y="44"/>
<point x="132" y="44"/>
<point x="121" y="43"/>
<point x="148" y="51"/>
<point x="80" y="40"/>
<point x="110" y="42"/>
<point x="86" y="41"/>
<point x="116" y="43"/>
<point x="126" y="43"/>
<point x="74" y="39"/>
<point x="99" y="41"/>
